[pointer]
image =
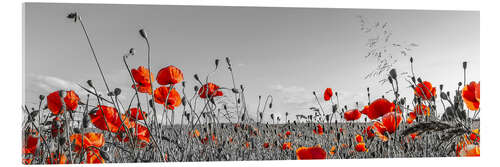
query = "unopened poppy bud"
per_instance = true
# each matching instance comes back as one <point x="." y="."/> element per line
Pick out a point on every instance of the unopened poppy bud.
<point x="196" y="77"/>
<point x="196" y="88"/>
<point x="41" y="97"/>
<point x="260" y="97"/>
<point x="459" y="83"/>
<point x="242" y="88"/>
<point x="239" y="101"/>
<point x="393" y="73"/>
<point x="73" y="16"/>
<point x="368" y="89"/>
<point x="411" y="59"/>
<point x="76" y="130"/>
<point x="216" y="63"/>
<point x="85" y="121"/>
<point x="143" y="33"/>
<point x="314" y="93"/>
<point x="336" y="93"/>
<point x="464" y="65"/>
<point x="131" y="51"/>
<point x="117" y="91"/>
<point x="419" y="80"/>
<point x="271" y="105"/>
<point x="183" y="101"/>
<point x="443" y="96"/>
<point x="89" y="82"/>
<point x="390" y="79"/>
<point x="235" y="91"/>
<point x="228" y="61"/>
<point x="413" y="79"/>
<point x="441" y="87"/>
<point x="225" y="107"/>
<point x="151" y="103"/>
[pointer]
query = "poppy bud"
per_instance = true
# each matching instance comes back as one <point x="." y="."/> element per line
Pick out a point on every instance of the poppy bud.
<point x="76" y="130"/>
<point x="314" y="93"/>
<point x="260" y="97"/>
<point x="72" y="16"/>
<point x="183" y="83"/>
<point x="368" y="89"/>
<point x="183" y="100"/>
<point x="117" y="91"/>
<point x="411" y="59"/>
<point x="270" y="105"/>
<point x="393" y="73"/>
<point x="143" y="34"/>
<point x="196" y="88"/>
<point x="41" y="97"/>
<point x="459" y="83"/>
<point x="441" y="87"/>
<point x="216" y="63"/>
<point x="464" y="65"/>
<point x="131" y="51"/>
<point x="235" y="91"/>
<point x="196" y="77"/>
<point x="390" y="79"/>
<point x="225" y="107"/>
<point x="151" y="103"/>
<point x="413" y="79"/>
<point x="61" y="140"/>
<point x="443" y="96"/>
<point x="242" y="88"/>
<point x="228" y="61"/>
<point x="239" y="101"/>
<point x="336" y="94"/>
<point x="89" y="82"/>
<point x="85" y="121"/>
<point x="419" y="80"/>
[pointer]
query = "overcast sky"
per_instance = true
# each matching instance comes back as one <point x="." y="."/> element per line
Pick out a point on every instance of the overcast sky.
<point x="283" y="52"/>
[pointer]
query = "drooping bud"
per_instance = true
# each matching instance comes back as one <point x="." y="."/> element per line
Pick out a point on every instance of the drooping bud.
<point x="196" y="77"/>
<point x="235" y="91"/>
<point x="143" y="33"/>
<point x="89" y="82"/>
<point x="216" y="63"/>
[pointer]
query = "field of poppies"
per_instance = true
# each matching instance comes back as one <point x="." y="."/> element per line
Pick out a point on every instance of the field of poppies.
<point x="65" y="128"/>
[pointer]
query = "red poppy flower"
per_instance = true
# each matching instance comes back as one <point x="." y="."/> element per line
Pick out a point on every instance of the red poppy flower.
<point x="288" y="133"/>
<point x="425" y="90"/>
<point x="359" y="138"/>
<point x="265" y="145"/>
<point x="409" y="120"/>
<point x="352" y="115"/>
<point x="174" y="99"/>
<point x="305" y="153"/>
<point x="341" y="130"/>
<point x="286" y="146"/>
<point x="141" y="133"/>
<point x="470" y="94"/>
<point x="169" y="75"/>
<point x="209" y="90"/>
<point x="318" y="130"/>
<point x="54" y="159"/>
<point x="469" y="150"/>
<point x="137" y="114"/>
<point x="55" y="104"/>
<point x="328" y="94"/>
<point x="422" y="109"/>
<point x="142" y="79"/>
<point x="30" y="145"/>
<point x="360" y="147"/>
<point x="391" y="122"/>
<point x="111" y="118"/>
<point x="89" y="139"/>
<point x="369" y="131"/>
<point x="378" y="108"/>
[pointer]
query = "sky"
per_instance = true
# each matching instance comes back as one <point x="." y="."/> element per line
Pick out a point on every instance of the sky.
<point x="284" y="52"/>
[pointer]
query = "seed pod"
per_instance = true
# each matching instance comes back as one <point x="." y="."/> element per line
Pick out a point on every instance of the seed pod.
<point x="443" y="96"/>
<point x="393" y="73"/>
<point x="117" y="91"/>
